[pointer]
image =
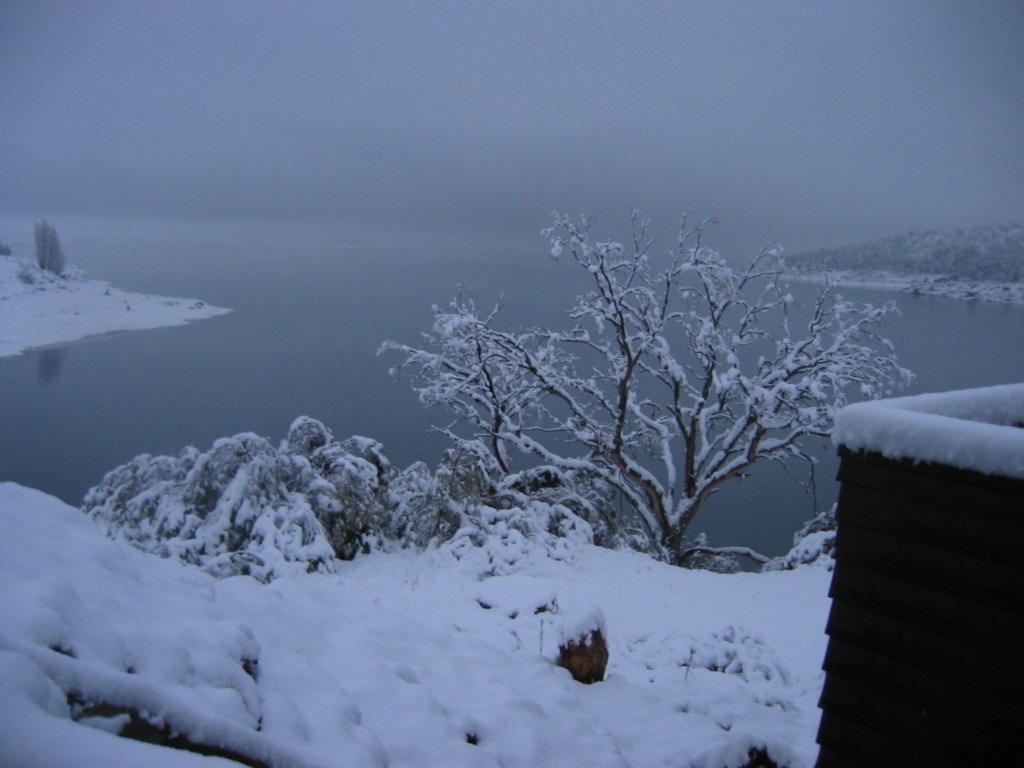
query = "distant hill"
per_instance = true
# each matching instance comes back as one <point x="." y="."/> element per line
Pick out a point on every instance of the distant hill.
<point x="994" y="252"/>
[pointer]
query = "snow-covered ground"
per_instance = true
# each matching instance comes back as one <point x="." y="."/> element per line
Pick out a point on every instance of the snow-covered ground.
<point x="922" y="285"/>
<point x="38" y="308"/>
<point x="399" y="659"/>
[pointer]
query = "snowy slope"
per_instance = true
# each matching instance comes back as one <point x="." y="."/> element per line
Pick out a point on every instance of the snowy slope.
<point x="984" y="263"/>
<point x="38" y="308"/>
<point x="398" y="659"/>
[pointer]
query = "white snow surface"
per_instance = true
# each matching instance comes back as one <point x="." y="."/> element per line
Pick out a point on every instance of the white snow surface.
<point x="400" y="659"/>
<point x="38" y="308"/>
<point x="974" y="429"/>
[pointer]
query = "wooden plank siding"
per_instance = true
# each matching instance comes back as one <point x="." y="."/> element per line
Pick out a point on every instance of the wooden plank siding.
<point x="924" y="666"/>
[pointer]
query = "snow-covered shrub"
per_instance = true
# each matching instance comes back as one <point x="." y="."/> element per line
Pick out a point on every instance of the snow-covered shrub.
<point x="427" y="508"/>
<point x="582" y="493"/>
<point x="345" y="483"/>
<point x="813" y="544"/>
<point x="28" y="274"/>
<point x="247" y="506"/>
<point x="703" y="557"/>
<point x="734" y="651"/>
<point x="500" y="541"/>
<point x="469" y="489"/>
<point x="474" y="513"/>
<point x="420" y="514"/>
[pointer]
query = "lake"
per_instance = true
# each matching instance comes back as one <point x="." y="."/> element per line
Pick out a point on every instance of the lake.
<point x="302" y="340"/>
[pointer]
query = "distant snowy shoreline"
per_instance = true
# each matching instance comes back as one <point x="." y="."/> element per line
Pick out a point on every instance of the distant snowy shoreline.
<point x="921" y="285"/>
<point x="39" y="309"/>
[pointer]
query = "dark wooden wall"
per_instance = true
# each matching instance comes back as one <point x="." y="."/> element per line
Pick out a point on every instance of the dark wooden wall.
<point x="925" y="660"/>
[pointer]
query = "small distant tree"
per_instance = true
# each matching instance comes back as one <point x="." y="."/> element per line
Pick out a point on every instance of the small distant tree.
<point x="673" y="381"/>
<point x="49" y="253"/>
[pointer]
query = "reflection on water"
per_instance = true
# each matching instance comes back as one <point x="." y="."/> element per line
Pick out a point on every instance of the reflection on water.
<point x="48" y="363"/>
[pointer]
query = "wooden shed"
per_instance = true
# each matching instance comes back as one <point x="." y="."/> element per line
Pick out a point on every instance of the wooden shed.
<point x="927" y="619"/>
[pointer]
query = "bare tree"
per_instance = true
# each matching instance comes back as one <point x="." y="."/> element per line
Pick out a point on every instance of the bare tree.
<point x="49" y="254"/>
<point x="671" y="383"/>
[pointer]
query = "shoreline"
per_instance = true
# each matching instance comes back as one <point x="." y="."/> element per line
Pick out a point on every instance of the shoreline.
<point x="40" y="310"/>
<point x="941" y="286"/>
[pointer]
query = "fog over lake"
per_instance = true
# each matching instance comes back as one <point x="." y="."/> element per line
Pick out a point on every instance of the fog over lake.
<point x="810" y="123"/>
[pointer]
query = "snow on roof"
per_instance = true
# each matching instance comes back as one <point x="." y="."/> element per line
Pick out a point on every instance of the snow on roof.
<point x="973" y="429"/>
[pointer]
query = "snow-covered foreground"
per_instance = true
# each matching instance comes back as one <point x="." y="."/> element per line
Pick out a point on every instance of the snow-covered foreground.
<point x="38" y="308"/>
<point x="398" y="659"/>
<point x="921" y="285"/>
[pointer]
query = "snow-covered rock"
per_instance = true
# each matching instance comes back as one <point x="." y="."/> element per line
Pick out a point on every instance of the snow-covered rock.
<point x="582" y="648"/>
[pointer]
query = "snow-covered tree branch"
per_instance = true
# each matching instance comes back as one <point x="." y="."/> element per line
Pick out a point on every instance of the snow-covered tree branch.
<point x="673" y="380"/>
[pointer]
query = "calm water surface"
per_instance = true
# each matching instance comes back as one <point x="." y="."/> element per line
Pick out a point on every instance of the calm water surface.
<point x="302" y="340"/>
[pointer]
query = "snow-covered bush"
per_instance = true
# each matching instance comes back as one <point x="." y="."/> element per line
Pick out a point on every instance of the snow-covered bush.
<point x="429" y="508"/>
<point x="734" y="651"/>
<point x="474" y="513"/>
<point x="585" y="495"/>
<point x="345" y="483"/>
<point x="28" y="274"/>
<point x="247" y="506"/>
<point x="813" y="544"/>
<point x="497" y="541"/>
<point x="703" y="557"/>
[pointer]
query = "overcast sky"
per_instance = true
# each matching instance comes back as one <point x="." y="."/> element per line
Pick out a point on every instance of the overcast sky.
<point x="808" y="123"/>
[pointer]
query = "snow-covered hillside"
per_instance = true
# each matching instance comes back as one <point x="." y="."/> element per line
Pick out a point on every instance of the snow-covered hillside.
<point x="403" y="659"/>
<point x="38" y="308"/>
<point x="984" y="263"/>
